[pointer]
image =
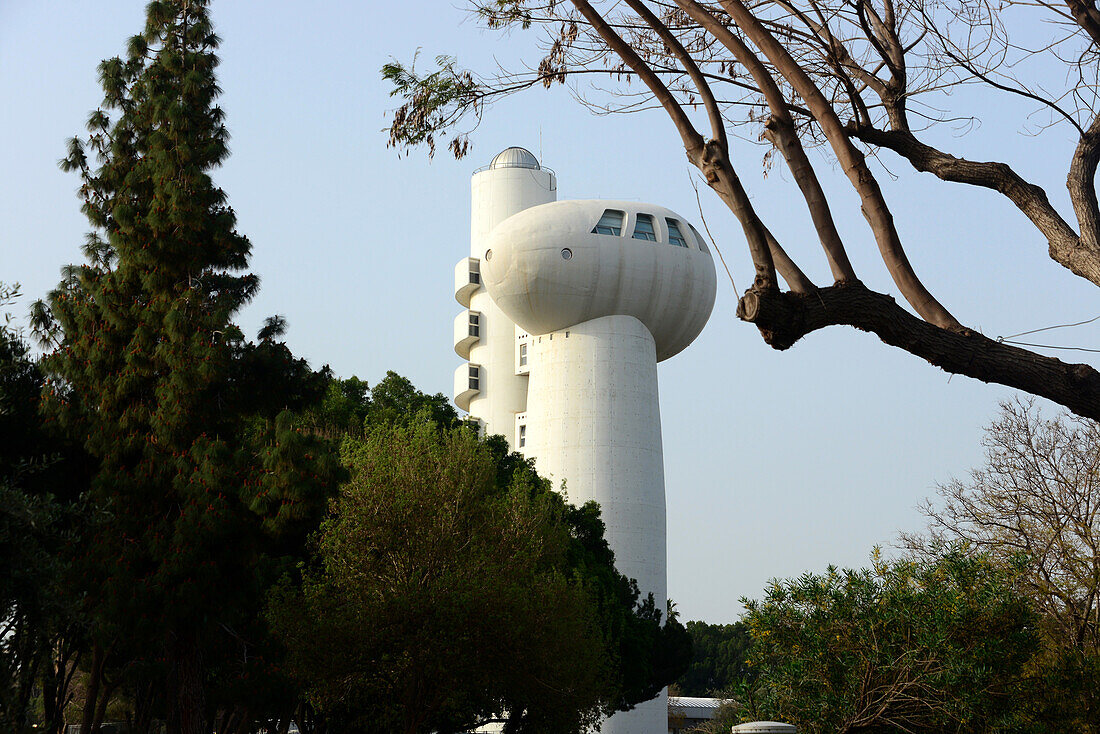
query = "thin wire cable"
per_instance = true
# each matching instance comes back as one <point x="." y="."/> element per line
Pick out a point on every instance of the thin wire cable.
<point x="703" y="219"/>
<point x="1048" y="328"/>
<point x="1047" y="346"/>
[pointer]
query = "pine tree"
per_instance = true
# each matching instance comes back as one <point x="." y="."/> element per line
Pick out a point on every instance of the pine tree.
<point x="203" y="487"/>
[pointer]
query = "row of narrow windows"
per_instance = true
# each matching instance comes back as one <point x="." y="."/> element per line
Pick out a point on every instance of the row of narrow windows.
<point x="611" y="223"/>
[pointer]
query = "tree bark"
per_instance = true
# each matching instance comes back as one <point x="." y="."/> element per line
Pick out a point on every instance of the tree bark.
<point x="91" y="697"/>
<point x="852" y="162"/>
<point x="101" y="704"/>
<point x="784" y="318"/>
<point x="186" y="694"/>
<point x="1066" y="247"/>
<point x="143" y="709"/>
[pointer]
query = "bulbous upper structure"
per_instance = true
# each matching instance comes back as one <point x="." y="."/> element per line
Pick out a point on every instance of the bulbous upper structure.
<point x="563" y="263"/>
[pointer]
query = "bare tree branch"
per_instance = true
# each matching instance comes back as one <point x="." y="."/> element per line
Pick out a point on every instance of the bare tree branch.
<point x="855" y="166"/>
<point x="784" y="318"/>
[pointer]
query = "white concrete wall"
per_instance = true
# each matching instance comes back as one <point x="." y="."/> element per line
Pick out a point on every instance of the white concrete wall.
<point x="593" y="419"/>
<point x="496" y="194"/>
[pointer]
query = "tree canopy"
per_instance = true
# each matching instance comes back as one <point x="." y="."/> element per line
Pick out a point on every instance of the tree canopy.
<point x="203" y="479"/>
<point x="1036" y="502"/>
<point x="936" y="644"/>
<point x="854" y="78"/>
<point x="42" y="522"/>
<point x="719" y="659"/>
<point x="448" y="594"/>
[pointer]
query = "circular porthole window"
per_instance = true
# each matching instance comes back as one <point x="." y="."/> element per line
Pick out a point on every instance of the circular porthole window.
<point x="566" y="254"/>
<point x="488" y="254"/>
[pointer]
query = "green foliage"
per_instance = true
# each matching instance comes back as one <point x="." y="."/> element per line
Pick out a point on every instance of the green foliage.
<point x="205" y="483"/>
<point x="453" y="586"/>
<point x="395" y="400"/>
<point x="40" y="482"/>
<point x="1036" y="501"/>
<point x="351" y="405"/>
<point x="1063" y="688"/>
<point x="719" y="660"/>
<point x="938" y="644"/>
<point x="435" y="102"/>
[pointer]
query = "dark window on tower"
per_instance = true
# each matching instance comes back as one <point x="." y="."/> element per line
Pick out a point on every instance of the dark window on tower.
<point x="643" y="228"/>
<point x="610" y="223"/>
<point x="475" y="377"/>
<point x="674" y="236"/>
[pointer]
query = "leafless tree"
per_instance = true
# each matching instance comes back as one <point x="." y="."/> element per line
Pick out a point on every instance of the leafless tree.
<point x="853" y="77"/>
<point x="1037" y="498"/>
<point x="1035" y="505"/>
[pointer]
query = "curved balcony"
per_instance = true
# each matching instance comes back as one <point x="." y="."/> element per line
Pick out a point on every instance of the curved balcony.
<point x="467" y="331"/>
<point x="467" y="384"/>
<point x="467" y="279"/>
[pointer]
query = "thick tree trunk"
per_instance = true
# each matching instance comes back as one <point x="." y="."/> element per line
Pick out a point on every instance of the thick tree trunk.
<point x="51" y="708"/>
<point x="91" y="697"/>
<point x="143" y="709"/>
<point x="56" y="680"/>
<point x="186" y="693"/>
<point x="101" y="705"/>
<point x="784" y="318"/>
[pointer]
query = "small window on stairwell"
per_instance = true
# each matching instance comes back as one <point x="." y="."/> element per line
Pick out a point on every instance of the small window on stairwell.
<point x="475" y="377"/>
<point x="475" y="326"/>
<point x="522" y="355"/>
<point x="522" y="436"/>
<point x="643" y="228"/>
<point x="475" y="272"/>
<point x="610" y="223"/>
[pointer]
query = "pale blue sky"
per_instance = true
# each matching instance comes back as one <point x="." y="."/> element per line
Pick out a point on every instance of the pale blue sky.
<point x="776" y="463"/>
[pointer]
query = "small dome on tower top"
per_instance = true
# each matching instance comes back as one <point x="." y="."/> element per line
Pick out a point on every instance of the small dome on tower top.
<point x="515" y="157"/>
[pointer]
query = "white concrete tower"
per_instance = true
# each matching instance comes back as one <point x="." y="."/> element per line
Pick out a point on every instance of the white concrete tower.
<point x="600" y="292"/>
<point x="488" y="386"/>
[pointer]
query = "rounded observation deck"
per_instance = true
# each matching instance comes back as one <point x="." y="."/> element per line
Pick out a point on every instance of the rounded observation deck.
<point x="552" y="266"/>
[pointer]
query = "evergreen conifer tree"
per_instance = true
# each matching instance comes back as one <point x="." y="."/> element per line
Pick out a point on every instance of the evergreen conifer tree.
<point x="205" y="485"/>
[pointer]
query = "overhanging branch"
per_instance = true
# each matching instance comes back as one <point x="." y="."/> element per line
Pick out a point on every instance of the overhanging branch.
<point x="784" y="318"/>
<point x="1066" y="247"/>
